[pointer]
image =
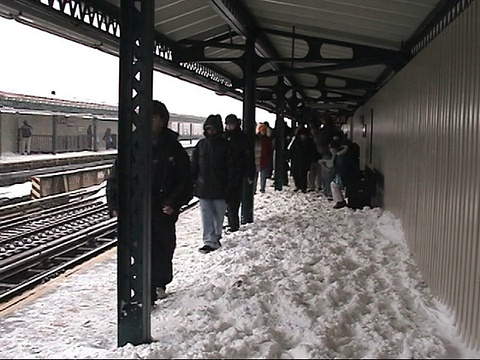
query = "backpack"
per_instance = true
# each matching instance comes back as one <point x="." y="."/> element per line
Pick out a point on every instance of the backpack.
<point x="355" y="150"/>
<point x="26" y="131"/>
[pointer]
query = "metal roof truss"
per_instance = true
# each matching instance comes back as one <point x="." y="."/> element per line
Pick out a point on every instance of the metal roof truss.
<point x="207" y="61"/>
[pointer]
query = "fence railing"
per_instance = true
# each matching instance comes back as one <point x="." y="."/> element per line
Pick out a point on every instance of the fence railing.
<point x="64" y="143"/>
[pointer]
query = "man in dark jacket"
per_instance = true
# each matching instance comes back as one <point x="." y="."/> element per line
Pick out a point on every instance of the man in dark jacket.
<point x="324" y="138"/>
<point x="172" y="187"/>
<point x="216" y="178"/>
<point x="345" y="170"/>
<point x="246" y="167"/>
<point x="302" y="153"/>
<point x="288" y="133"/>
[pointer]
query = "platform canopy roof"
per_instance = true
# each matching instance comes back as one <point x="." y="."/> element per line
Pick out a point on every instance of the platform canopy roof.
<point x="327" y="55"/>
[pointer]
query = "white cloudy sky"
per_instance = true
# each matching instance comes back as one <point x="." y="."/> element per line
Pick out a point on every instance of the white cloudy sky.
<point x="35" y="63"/>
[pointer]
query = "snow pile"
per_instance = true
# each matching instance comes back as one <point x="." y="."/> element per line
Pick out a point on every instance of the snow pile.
<point x="14" y="157"/>
<point x="17" y="190"/>
<point x="24" y="189"/>
<point x="303" y="281"/>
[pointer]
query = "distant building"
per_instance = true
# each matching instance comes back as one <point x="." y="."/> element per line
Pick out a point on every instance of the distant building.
<point x="62" y="125"/>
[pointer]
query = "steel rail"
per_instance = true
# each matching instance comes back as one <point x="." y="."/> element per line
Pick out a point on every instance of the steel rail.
<point x="70" y="215"/>
<point x="16" y="221"/>
<point x="71" y="250"/>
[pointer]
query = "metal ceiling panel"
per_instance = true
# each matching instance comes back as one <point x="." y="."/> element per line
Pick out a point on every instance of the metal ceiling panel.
<point x="368" y="73"/>
<point x="300" y="48"/>
<point x="374" y="21"/>
<point x="181" y="19"/>
<point x="284" y="46"/>
<point x="219" y="53"/>
<point x="307" y="79"/>
<point x="231" y="68"/>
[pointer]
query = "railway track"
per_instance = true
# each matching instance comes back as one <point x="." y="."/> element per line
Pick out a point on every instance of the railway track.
<point x="19" y="208"/>
<point x="37" y="245"/>
<point x="40" y="239"/>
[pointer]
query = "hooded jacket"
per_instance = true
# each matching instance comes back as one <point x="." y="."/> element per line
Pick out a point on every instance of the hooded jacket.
<point x="303" y="153"/>
<point x="217" y="173"/>
<point x="239" y="142"/>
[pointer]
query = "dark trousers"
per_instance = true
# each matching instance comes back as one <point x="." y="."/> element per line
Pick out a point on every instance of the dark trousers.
<point x="300" y="178"/>
<point x="233" y="205"/>
<point x="164" y="241"/>
<point x="286" y="167"/>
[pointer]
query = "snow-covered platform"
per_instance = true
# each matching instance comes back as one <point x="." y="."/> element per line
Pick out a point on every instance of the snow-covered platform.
<point x="303" y="281"/>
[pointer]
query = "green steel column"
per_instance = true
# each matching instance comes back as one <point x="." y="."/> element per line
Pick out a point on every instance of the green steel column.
<point x="280" y="137"/>
<point x="249" y="123"/>
<point x="134" y="171"/>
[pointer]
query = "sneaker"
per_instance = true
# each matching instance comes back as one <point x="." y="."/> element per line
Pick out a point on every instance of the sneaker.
<point x="158" y="293"/>
<point x="340" y="205"/>
<point x="161" y="292"/>
<point x="231" y="230"/>
<point x="206" y="249"/>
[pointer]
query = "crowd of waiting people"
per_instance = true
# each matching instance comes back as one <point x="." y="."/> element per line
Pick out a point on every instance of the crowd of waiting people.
<point x="318" y="158"/>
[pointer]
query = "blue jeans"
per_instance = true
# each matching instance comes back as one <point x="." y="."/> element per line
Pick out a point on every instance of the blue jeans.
<point x="264" y="174"/>
<point x="213" y="213"/>
<point x="327" y="178"/>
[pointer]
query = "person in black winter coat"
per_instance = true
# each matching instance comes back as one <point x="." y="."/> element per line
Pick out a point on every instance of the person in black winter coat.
<point x="302" y="153"/>
<point x="345" y="170"/>
<point x="172" y="187"/>
<point x="327" y="133"/>
<point x="288" y="138"/>
<point x="217" y="176"/>
<point x="246" y="167"/>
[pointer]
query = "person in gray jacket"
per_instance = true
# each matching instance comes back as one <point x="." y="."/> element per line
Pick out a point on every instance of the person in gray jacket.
<point x="25" y="138"/>
<point x="216" y="175"/>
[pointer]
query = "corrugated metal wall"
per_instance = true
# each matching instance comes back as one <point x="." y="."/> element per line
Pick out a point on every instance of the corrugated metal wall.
<point x="426" y="135"/>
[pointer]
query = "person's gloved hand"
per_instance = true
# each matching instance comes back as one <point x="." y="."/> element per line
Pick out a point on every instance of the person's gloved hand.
<point x="167" y="209"/>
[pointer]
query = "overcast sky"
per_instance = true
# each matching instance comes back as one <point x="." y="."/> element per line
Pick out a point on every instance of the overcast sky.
<point x="35" y="63"/>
